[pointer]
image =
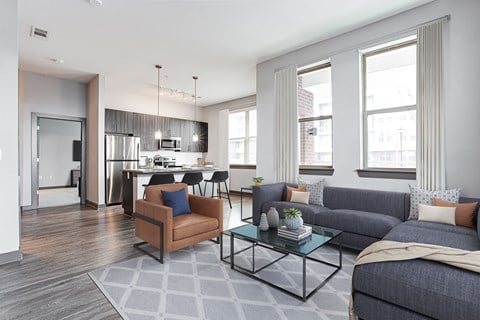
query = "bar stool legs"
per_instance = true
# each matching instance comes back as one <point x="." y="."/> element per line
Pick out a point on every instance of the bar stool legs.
<point x="228" y="194"/>
<point x="218" y="177"/>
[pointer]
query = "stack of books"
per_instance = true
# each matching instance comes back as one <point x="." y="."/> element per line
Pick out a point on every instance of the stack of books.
<point x="296" y="235"/>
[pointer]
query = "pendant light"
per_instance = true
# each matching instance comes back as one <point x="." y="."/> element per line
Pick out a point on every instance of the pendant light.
<point x="195" y="134"/>
<point x="158" y="133"/>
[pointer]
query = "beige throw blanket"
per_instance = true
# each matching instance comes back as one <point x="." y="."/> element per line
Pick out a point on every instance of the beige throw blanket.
<point x="395" y="251"/>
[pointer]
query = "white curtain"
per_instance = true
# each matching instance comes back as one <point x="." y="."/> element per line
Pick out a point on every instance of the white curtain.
<point x="286" y="125"/>
<point x="430" y="148"/>
<point x="223" y="152"/>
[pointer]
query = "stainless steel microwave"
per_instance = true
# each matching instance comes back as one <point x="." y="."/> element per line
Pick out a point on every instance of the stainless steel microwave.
<point x="171" y="143"/>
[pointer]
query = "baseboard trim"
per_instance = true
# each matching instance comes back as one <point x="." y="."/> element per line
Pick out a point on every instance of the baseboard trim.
<point x="94" y="205"/>
<point x="10" y="257"/>
<point x="56" y="187"/>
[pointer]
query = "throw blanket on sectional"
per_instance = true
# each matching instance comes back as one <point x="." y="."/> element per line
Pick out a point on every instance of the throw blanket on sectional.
<point x="385" y="250"/>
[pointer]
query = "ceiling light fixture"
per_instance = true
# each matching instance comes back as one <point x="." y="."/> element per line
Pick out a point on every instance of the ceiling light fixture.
<point x="195" y="134"/>
<point x="97" y="3"/>
<point x="57" y="61"/>
<point x="158" y="133"/>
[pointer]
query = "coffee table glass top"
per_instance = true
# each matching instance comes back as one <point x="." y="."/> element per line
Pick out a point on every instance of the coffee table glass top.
<point x="320" y="236"/>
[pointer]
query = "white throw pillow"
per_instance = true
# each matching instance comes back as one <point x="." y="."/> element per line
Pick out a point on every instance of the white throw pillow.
<point x="420" y="196"/>
<point x="436" y="214"/>
<point x="315" y="189"/>
<point x="300" y="197"/>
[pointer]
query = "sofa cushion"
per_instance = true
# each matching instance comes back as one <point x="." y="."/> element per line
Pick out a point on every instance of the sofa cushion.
<point x="360" y="222"/>
<point x="177" y="200"/>
<point x="315" y="189"/>
<point x="309" y="211"/>
<point x="189" y="225"/>
<point x="290" y="189"/>
<point x="300" y="197"/>
<point x="420" y="196"/>
<point x="384" y="202"/>
<point x="435" y="233"/>
<point x="465" y="213"/>
<point x="436" y="214"/>
<point x="420" y="285"/>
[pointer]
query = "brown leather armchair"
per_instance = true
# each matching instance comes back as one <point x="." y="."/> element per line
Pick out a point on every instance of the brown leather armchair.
<point x="155" y="224"/>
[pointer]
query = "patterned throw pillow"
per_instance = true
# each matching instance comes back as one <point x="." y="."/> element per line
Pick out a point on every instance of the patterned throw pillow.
<point x="420" y="196"/>
<point x="315" y="189"/>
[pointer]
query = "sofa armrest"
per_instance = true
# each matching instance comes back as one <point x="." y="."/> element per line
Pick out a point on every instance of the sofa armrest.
<point x="263" y="194"/>
<point x="208" y="207"/>
<point x="160" y="213"/>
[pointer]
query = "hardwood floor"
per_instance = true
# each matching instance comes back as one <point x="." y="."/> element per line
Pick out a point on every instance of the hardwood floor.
<point x="60" y="245"/>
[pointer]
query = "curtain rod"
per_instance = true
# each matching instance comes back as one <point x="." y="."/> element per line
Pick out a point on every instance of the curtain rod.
<point x="362" y="45"/>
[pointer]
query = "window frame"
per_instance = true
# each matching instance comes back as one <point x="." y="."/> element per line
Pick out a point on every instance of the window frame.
<point x="308" y="168"/>
<point x="366" y="113"/>
<point x="246" y="138"/>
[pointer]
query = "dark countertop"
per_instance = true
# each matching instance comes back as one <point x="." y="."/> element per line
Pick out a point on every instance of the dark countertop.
<point x="168" y="170"/>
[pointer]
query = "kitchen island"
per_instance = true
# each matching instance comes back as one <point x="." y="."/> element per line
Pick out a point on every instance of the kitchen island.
<point x="134" y="179"/>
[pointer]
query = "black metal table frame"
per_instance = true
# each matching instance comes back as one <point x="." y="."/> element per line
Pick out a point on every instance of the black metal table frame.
<point x="241" y="204"/>
<point x="251" y="273"/>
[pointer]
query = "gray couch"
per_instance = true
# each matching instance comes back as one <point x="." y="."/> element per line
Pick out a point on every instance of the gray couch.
<point x="400" y="290"/>
<point x="364" y="216"/>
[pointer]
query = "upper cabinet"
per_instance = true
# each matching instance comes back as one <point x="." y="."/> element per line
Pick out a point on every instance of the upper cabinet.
<point x="145" y="126"/>
<point x="117" y="121"/>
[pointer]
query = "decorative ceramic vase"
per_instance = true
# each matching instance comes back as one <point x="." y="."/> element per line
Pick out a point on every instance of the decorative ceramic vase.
<point x="293" y="223"/>
<point x="273" y="218"/>
<point x="263" y="226"/>
<point x="257" y="183"/>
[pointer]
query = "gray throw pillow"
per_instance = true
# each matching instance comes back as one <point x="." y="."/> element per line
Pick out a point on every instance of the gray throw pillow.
<point x="421" y="196"/>
<point x="315" y="189"/>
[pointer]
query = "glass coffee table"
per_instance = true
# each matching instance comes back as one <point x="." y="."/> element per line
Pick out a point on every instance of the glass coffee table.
<point x="270" y="240"/>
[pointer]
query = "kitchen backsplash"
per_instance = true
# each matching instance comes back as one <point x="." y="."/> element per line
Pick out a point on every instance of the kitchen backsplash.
<point x="188" y="158"/>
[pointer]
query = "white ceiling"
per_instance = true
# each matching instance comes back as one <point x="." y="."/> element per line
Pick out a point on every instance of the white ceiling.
<point x="221" y="41"/>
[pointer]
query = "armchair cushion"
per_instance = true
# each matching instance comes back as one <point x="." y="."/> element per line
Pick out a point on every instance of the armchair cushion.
<point x="176" y="200"/>
<point x="186" y="226"/>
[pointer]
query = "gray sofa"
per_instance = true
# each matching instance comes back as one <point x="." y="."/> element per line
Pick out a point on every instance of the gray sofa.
<point x="397" y="290"/>
<point x="364" y="216"/>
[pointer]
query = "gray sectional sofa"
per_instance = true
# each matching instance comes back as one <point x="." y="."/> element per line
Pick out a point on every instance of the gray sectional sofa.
<point x="364" y="216"/>
<point x="397" y="290"/>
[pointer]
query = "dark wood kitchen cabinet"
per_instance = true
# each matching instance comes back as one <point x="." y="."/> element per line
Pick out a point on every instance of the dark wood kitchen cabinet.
<point x="117" y="121"/>
<point x="145" y="125"/>
<point x="110" y="121"/>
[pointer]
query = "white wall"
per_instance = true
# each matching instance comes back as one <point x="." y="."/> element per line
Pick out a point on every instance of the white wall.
<point x="210" y="115"/>
<point x="132" y="98"/>
<point x="9" y="169"/>
<point x="462" y="97"/>
<point x="238" y="177"/>
<point x="46" y="95"/>
<point x="96" y="141"/>
<point x="55" y="139"/>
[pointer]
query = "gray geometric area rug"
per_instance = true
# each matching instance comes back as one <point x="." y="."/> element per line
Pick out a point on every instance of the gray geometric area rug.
<point x="194" y="284"/>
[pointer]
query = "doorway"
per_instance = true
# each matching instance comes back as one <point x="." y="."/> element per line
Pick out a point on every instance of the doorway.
<point x="58" y="161"/>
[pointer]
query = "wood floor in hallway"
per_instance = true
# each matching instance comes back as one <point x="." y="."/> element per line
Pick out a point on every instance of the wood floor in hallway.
<point x="60" y="245"/>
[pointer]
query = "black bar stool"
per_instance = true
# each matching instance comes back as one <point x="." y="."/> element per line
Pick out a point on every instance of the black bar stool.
<point x="159" y="178"/>
<point x="218" y="177"/>
<point x="192" y="179"/>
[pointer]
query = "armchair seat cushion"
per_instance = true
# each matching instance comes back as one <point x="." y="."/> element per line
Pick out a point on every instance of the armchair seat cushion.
<point x="186" y="226"/>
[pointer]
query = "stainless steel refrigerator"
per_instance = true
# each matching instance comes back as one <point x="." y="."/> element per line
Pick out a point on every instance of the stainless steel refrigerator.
<point x="121" y="152"/>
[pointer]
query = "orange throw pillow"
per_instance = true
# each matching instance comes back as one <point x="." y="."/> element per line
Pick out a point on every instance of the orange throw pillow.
<point x="290" y="189"/>
<point x="464" y="212"/>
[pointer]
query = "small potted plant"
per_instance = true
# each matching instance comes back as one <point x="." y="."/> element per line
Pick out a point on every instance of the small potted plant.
<point x="258" y="180"/>
<point x="293" y="218"/>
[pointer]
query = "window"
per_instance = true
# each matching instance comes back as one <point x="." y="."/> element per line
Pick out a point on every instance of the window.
<point x="243" y="136"/>
<point x="389" y="99"/>
<point x="314" y="100"/>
